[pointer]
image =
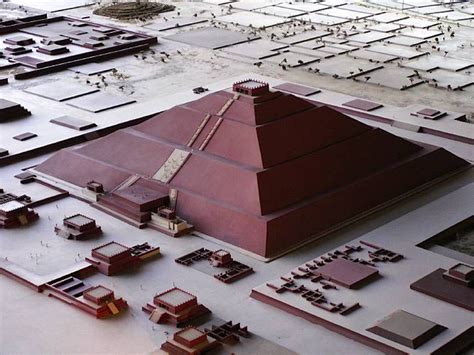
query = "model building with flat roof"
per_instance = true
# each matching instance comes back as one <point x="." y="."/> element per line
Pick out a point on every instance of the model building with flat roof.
<point x="175" y="306"/>
<point x="113" y="257"/>
<point x="78" y="227"/>
<point x="189" y="341"/>
<point x="13" y="214"/>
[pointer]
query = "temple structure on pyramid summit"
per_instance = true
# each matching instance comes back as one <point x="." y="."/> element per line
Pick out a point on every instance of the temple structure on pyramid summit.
<point x="257" y="168"/>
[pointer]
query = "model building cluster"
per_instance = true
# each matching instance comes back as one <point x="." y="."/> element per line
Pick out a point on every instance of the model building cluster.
<point x="236" y="177"/>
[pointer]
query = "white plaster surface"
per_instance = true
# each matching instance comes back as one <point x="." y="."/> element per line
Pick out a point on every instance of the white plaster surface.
<point x="252" y="19"/>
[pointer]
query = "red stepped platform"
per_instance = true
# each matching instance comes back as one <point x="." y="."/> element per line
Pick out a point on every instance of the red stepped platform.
<point x="78" y="227"/>
<point x="112" y="258"/>
<point x="15" y="214"/>
<point x="175" y="306"/>
<point x="260" y="169"/>
<point x="189" y="341"/>
<point x="96" y="300"/>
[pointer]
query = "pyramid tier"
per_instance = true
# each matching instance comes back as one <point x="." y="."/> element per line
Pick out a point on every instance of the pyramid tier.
<point x="257" y="191"/>
<point x="260" y="146"/>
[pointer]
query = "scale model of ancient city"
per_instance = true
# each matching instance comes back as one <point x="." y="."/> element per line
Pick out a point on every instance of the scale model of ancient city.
<point x="236" y="177"/>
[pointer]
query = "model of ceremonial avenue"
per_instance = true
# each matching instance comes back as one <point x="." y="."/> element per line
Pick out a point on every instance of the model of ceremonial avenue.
<point x="236" y="177"/>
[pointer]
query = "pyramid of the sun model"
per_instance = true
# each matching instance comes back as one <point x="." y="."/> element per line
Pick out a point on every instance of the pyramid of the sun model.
<point x="260" y="169"/>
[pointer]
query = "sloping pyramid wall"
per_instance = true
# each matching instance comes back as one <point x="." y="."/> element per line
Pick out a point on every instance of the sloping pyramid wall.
<point x="264" y="173"/>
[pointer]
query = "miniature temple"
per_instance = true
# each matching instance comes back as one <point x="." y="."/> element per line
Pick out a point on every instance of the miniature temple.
<point x="113" y="257"/>
<point x="175" y="306"/>
<point x="219" y="160"/>
<point x="13" y="214"/>
<point x="220" y="258"/>
<point x="194" y="341"/>
<point x="78" y="227"/>
<point x="189" y="341"/>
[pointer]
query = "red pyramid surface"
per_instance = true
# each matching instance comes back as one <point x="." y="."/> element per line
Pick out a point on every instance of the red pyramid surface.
<point x="264" y="173"/>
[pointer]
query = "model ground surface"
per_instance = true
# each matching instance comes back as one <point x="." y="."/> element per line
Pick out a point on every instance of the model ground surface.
<point x="187" y="185"/>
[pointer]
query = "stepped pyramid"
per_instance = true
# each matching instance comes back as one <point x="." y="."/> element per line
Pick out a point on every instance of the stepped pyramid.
<point x="260" y="169"/>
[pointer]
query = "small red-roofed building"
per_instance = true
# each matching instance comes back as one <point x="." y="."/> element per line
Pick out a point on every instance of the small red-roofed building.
<point x="78" y="227"/>
<point x="175" y="306"/>
<point x="220" y="258"/>
<point x="103" y="301"/>
<point x="189" y="341"/>
<point x="14" y="214"/>
<point x="251" y="87"/>
<point x="113" y="257"/>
